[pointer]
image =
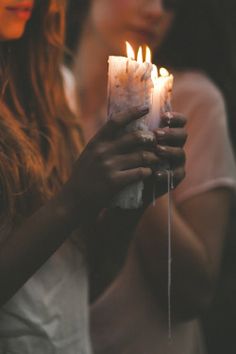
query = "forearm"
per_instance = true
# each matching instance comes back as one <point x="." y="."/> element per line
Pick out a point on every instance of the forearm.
<point x="27" y="248"/>
<point x="192" y="274"/>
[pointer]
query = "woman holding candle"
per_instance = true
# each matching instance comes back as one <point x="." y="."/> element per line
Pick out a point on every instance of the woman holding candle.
<point x="47" y="192"/>
<point x="130" y="315"/>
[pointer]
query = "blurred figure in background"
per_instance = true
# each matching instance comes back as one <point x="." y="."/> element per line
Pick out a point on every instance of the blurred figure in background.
<point x="128" y="314"/>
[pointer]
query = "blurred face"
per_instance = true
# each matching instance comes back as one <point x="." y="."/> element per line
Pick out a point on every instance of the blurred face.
<point x="137" y="21"/>
<point x="14" y="15"/>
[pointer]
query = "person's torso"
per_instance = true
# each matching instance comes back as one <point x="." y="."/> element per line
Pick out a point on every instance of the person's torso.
<point x="49" y="314"/>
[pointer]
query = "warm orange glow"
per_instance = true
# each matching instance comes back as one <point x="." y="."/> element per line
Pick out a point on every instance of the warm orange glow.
<point x="129" y="51"/>
<point x="148" y="56"/>
<point x="164" y="72"/>
<point x="140" y="55"/>
<point x="148" y="59"/>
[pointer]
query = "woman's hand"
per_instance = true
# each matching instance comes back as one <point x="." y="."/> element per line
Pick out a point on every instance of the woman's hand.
<point x="169" y="154"/>
<point x="110" y="162"/>
<point x="171" y="137"/>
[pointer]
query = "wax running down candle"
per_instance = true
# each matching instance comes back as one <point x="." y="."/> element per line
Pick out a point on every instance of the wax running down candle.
<point x="136" y="83"/>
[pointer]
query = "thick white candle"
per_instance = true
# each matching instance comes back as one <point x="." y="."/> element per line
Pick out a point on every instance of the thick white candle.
<point x="136" y="83"/>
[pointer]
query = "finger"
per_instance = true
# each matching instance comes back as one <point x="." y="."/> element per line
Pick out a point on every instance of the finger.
<point x="137" y="159"/>
<point x="171" y="136"/>
<point x="172" y="119"/>
<point x="120" y="120"/>
<point x="175" y="177"/>
<point x="124" y="178"/>
<point x="173" y="155"/>
<point x="138" y="138"/>
<point x="179" y="175"/>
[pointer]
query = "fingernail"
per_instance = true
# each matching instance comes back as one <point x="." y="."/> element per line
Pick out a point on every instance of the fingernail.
<point x="161" y="149"/>
<point x="160" y="132"/>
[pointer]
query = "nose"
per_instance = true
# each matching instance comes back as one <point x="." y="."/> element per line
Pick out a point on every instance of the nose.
<point x="153" y="9"/>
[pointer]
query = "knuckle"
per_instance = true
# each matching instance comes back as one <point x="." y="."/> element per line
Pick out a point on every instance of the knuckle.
<point x="137" y="136"/>
<point x="141" y="172"/>
<point x="108" y="165"/>
<point x="143" y="157"/>
<point x="99" y="150"/>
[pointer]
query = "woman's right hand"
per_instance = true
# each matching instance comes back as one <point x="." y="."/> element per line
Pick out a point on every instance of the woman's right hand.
<point x="110" y="162"/>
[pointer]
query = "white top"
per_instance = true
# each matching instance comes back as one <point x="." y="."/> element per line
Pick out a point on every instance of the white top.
<point x="126" y="319"/>
<point x="49" y="314"/>
<point x="210" y="162"/>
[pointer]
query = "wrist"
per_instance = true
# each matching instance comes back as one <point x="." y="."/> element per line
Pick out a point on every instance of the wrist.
<point x="74" y="211"/>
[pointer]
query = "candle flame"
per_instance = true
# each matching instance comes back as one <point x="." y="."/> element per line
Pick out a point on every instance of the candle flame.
<point x="164" y="72"/>
<point x="140" y="55"/>
<point x="130" y="51"/>
<point x="148" y="57"/>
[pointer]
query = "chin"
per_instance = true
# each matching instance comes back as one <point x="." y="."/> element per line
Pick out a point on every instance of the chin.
<point x="12" y="36"/>
<point x="12" y="33"/>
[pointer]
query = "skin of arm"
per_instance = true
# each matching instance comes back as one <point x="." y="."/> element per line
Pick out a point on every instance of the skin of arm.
<point x="198" y="231"/>
<point x="200" y="222"/>
<point x="78" y="203"/>
<point x="26" y="249"/>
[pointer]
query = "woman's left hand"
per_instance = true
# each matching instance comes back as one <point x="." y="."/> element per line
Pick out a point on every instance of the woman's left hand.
<point x="171" y="137"/>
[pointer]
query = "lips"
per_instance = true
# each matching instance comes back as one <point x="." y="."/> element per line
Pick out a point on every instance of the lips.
<point x="22" y="10"/>
<point x="146" y="32"/>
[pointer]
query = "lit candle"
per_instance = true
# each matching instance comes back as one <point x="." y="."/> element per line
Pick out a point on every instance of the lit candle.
<point x="137" y="83"/>
<point x="161" y="96"/>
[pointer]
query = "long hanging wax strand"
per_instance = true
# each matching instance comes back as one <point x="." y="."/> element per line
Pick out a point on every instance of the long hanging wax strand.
<point x="170" y="187"/>
<point x="154" y="194"/>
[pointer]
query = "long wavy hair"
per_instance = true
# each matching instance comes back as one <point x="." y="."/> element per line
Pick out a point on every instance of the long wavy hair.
<point x="39" y="136"/>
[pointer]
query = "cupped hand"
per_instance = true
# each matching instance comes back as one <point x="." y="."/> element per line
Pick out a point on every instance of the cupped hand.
<point x="112" y="160"/>
<point x="171" y="137"/>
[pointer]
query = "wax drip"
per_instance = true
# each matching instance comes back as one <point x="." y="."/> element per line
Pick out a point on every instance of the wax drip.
<point x="170" y="181"/>
<point x="170" y="187"/>
<point x="154" y="194"/>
